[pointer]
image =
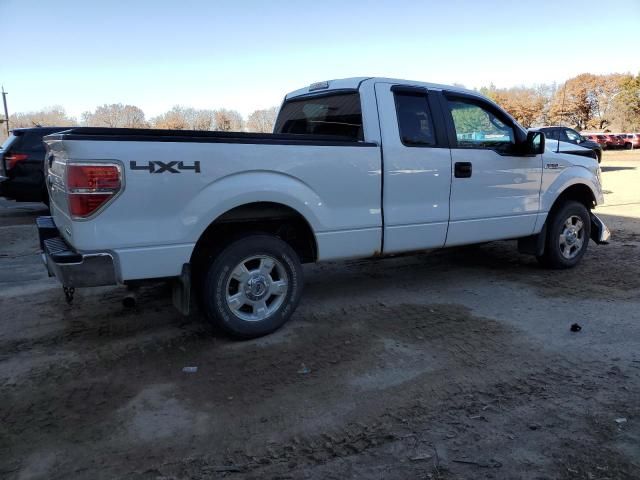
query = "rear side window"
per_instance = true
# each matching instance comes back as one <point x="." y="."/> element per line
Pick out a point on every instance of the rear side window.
<point x="29" y="142"/>
<point x="414" y="120"/>
<point x="337" y="114"/>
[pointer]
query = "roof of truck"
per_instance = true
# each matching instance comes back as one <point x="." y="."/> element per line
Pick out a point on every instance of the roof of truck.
<point x="354" y="83"/>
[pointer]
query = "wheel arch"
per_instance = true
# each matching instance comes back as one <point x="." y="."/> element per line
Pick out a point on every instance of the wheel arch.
<point x="579" y="192"/>
<point x="268" y="217"/>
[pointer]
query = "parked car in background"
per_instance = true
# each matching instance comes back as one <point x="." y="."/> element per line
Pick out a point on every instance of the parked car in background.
<point x="22" y="170"/>
<point x="569" y="135"/>
<point x="631" y="140"/>
<point x="599" y="138"/>
<point x="614" y="141"/>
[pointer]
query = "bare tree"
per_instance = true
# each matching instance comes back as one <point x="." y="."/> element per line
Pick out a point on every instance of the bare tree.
<point x="48" y="117"/>
<point x="262" y="121"/>
<point x="185" y="118"/>
<point x="115" y="115"/>
<point x="524" y="104"/>
<point x="174" y="119"/>
<point x="605" y="90"/>
<point x="625" y="112"/>
<point x="574" y="103"/>
<point x="201" y="119"/>
<point x="228" y="120"/>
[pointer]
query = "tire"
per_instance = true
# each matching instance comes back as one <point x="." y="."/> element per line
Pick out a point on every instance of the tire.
<point x="568" y="233"/>
<point x="252" y="286"/>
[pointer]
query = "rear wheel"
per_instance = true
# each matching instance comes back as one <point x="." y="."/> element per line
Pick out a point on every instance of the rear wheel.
<point x="252" y="287"/>
<point x="568" y="233"/>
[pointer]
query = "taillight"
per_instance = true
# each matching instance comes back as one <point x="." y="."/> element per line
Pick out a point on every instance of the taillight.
<point x="90" y="187"/>
<point x="14" y="158"/>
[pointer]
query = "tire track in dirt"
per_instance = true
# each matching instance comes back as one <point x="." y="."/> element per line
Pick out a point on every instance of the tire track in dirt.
<point x="462" y="367"/>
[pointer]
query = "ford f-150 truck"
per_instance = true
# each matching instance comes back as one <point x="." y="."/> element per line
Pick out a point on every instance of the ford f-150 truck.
<point x="355" y="168"/>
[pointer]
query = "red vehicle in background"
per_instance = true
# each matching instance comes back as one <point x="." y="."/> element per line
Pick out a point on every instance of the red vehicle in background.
<point x="631" y="140"/>
<point x="614" y="141"/>
<point x="599" y="138"/>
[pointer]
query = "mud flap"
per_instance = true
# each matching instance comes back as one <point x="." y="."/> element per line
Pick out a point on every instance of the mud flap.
<point x="182" y="291"/>
<point x="533" y="244"/>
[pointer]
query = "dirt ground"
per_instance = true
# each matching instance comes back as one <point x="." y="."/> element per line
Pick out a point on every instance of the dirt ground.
<point x="456" y="364"/>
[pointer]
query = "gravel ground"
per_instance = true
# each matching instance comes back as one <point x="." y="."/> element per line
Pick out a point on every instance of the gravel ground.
<point x="456" y="364"/>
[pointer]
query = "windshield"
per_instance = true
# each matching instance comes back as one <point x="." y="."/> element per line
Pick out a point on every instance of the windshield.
<point x="337" y="114"/>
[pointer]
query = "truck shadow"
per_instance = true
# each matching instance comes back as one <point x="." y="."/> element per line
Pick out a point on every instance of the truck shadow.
<point x="615" y="169"/>
<point x="467" y="267"/>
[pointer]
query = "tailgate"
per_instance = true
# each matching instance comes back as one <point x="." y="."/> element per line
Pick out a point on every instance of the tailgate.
<point x="56" y="166"/>
<point x="56" y="169"/>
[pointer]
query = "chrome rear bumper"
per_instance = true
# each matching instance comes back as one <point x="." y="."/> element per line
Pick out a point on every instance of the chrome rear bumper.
<point x="93" y="270"/>
<point x="71" y="268"/>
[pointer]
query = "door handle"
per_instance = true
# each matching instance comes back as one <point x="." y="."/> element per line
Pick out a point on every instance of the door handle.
<point x="462" y="169"/>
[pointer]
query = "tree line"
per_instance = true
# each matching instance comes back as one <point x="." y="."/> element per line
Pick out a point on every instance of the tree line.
<point x="586" y="102"/>
<point x="119" y="115"/>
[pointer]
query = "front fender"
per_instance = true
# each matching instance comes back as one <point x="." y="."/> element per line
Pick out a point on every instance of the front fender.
<point x="556" y="181"/>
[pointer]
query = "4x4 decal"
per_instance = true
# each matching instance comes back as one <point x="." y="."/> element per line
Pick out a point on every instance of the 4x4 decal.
<point x="156" y="166"/>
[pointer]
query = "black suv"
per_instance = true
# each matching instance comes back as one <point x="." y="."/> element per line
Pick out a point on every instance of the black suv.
<point x="22" y="170"/>
<point x="569" y="135"/>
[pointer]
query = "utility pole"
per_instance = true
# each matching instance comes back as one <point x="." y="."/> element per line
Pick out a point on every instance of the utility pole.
<point x="6" y="111"/>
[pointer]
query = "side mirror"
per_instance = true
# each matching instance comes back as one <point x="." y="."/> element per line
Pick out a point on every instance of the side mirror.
<point x="534" y="144"/>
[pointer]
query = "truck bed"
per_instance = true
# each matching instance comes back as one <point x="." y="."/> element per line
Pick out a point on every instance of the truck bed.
<point x="161" y="212"/>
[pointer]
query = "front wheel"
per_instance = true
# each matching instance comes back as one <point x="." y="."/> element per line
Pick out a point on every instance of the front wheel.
<point x="568" y="233"/>
<point x="252" y="287"/>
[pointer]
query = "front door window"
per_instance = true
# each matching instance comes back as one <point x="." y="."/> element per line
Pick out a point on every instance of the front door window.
<point x="572" y="136"/>
<point x="477" y="127"/>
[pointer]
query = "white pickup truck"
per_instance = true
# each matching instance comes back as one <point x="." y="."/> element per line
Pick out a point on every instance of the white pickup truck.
<point x="356" y="168"/>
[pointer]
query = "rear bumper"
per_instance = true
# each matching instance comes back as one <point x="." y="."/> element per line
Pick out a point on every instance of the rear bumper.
<point x="599" y="231"/>
<point x="71" y="268"/>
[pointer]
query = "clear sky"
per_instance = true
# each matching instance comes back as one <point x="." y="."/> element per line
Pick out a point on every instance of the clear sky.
<point x="248" y="54"/>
